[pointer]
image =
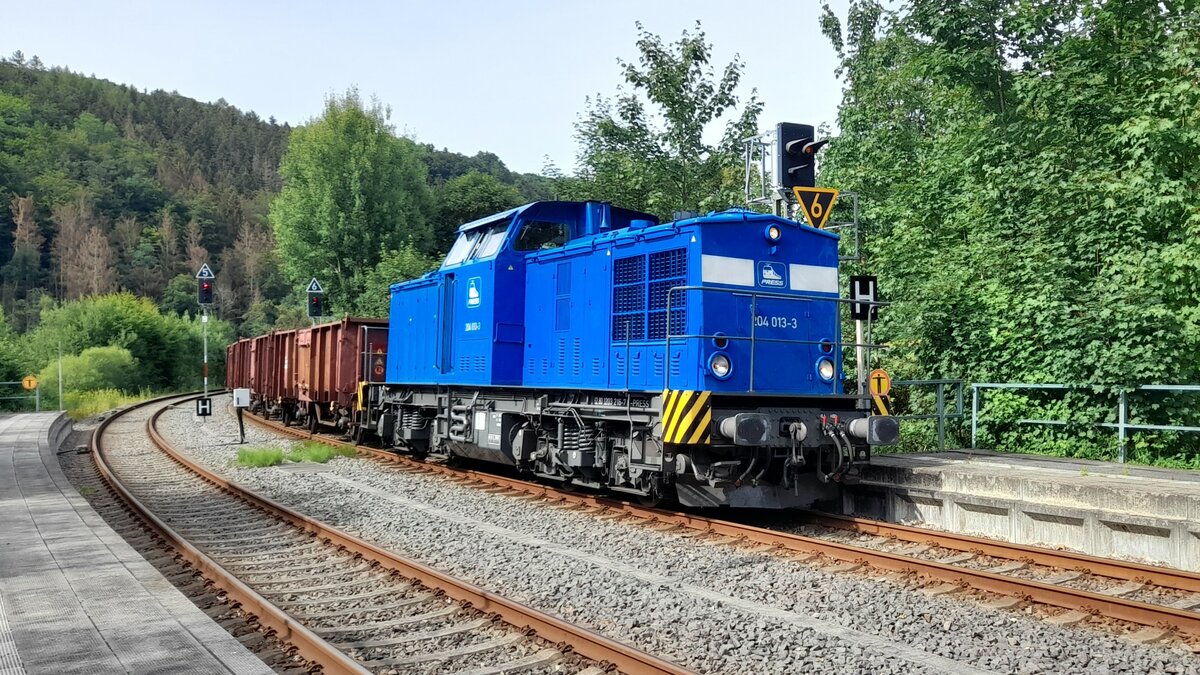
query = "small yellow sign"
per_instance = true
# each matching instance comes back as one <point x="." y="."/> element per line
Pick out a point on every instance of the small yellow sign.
<point x="30" y="383"/>
<point x="816" y="203"/>
<point x="879" y="382"/>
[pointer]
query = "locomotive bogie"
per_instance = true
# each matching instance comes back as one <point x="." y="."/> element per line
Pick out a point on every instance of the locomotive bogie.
<point x="621" y="443"/>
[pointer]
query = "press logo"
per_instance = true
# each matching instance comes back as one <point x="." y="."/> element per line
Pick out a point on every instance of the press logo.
<point x="772" y="275"/>
<point x="473" y="294"/>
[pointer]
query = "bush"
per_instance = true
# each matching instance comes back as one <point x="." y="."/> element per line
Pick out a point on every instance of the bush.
<point x="82" y="404"/>
<point x="167" y="349"/>
<point x="96" y="368"/>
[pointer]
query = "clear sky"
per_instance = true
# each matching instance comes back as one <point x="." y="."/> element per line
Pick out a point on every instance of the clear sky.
<point x="508" y="77"/>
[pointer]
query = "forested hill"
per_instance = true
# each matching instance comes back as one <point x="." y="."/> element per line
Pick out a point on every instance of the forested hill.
<point x="107" y="187"/>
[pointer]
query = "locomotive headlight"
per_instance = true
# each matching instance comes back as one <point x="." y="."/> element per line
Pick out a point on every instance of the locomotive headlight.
<point x="773" y="233"/>
<point x="825" y="369"/>
<point x="719" y="366"/>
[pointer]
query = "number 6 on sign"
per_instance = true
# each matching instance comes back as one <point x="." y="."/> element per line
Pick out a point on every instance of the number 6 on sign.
<point x="816" y="203"/>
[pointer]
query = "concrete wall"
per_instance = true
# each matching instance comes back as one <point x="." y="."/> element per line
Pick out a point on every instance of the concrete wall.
<point x="1099" y="512"/>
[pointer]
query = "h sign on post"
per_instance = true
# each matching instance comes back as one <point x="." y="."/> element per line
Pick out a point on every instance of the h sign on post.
<point x="863" y="291"/>
<point x="203" y="407"/>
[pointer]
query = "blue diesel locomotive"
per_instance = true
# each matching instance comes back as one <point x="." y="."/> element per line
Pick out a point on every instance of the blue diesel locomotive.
<point x="595" y="346"/>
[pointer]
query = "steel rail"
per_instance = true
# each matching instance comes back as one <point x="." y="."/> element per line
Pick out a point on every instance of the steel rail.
<point x="585" y="642"/>
<point x="309" y="645"/>
<point x="1107" y="567"/>
<point x="1115" y="607"/>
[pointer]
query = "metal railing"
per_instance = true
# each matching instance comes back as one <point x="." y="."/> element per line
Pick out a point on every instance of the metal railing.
<point x="753" y="338"/>
<point x="36" y="396"/>
<point x="1122" y="425"/>
<point x="940" y="414"/>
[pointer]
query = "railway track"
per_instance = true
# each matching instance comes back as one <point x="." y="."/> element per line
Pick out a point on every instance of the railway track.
<point x="1077" y="586"/>
<point x="342" y="603"/>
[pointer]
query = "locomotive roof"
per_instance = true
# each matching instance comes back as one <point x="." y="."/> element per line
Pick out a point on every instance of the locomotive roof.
<point x="740" y="215"/>
<point x="617" y="213"/>
<point x="731" y="215"/>
<point x="487" y="220"/>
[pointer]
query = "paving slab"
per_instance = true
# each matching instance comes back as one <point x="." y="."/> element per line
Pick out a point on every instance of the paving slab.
<point x="74" y="596"/>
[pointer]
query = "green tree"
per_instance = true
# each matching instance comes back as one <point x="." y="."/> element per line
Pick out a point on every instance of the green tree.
<point x="630" y="159"/>
<point x="180" y="295"/>
<point x="1028" y="198"/>
<point x="396" y="266"/>
<point x="468" y="197"/>
<point x="11" y="365"/>
<point x="352" y="190"/>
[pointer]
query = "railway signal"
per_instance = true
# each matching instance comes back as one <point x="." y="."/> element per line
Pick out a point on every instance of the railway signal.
<point x="796" y="147"/>
<point x="316" y="302"/>
<point x="205" y="280"/>
<point x="204" y="285"/>
<point x="864" y="292"/>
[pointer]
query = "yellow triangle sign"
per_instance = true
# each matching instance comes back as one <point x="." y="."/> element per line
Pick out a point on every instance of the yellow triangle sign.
<point x="816" y="203"/>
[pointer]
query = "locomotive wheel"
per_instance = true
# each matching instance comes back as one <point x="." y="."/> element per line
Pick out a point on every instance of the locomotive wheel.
<point x="653" y="498"/>
<point x="359" y="433"/>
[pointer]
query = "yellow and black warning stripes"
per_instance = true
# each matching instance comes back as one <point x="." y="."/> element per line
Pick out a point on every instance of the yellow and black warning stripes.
<point x="687" y="416"/>
<point x="882" y="405"/>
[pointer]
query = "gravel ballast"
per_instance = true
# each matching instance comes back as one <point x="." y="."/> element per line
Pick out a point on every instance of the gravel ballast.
<point x="711" y="608"/>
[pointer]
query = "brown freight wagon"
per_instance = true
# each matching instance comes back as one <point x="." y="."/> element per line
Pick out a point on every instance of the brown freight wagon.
<point x="237" y="365"/>
<point x="331" y="362"/>
<point x="261" y="364"/>
<point x="279" y="375"/>
<point x="258" y="367"/>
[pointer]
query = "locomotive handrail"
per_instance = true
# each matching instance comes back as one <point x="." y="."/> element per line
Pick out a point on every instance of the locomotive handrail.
<point x="753" y="339"/>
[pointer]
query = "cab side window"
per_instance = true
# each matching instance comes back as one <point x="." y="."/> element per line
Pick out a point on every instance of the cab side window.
<point x="540" y="235"/>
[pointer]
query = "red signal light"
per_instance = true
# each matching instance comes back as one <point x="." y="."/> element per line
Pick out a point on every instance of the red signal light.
<point x="205" y="292"/>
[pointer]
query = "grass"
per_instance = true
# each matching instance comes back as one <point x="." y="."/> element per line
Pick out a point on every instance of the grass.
<point x="83" y="404"/>
<point x="307" y="451"/>
<point x="260" y="456"/>
<point x="311" y="451"/>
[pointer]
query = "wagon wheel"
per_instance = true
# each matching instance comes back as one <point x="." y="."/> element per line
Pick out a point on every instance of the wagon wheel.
<point x="313" y="424"/>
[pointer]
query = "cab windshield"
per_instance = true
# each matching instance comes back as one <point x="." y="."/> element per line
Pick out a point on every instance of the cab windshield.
<point x="462" y="247"/>
<point x="478" y="244"/>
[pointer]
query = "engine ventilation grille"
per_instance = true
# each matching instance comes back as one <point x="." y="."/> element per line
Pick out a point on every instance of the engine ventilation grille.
<point x="641" y="286"/>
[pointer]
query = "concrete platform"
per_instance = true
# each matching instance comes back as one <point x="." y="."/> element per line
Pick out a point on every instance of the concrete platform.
<point x="74" y="597"/>
<point x="1100" y="508"/>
